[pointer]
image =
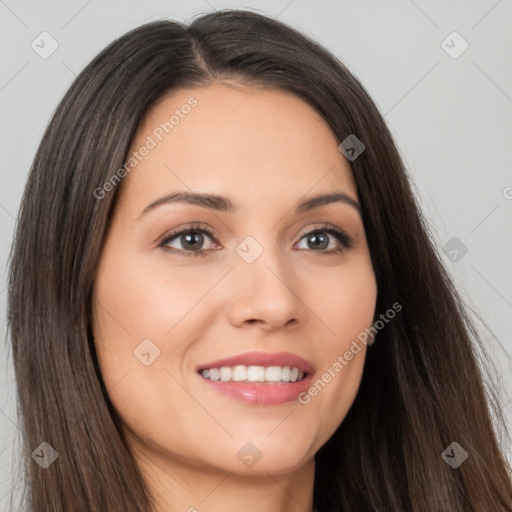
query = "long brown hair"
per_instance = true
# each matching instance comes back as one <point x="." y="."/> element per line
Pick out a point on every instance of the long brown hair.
<point x="422" y="386"/>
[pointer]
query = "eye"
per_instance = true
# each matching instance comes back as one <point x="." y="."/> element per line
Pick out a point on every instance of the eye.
<point x="318" y="239"/>
<point x="191" y="240"/>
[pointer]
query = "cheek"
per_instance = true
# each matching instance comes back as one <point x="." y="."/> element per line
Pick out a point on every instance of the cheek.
<point x="346" y="300"/>
<point x="135" y="310"/>
<point x="133" y="304"/>
<point x="348" y="304"/>
<point x="136" y="300"/>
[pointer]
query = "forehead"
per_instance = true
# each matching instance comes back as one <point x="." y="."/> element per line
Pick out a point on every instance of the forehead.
<point x="251" y="144"/>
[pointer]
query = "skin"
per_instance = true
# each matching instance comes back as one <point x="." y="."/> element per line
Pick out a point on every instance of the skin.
<point x="266" y="150"/>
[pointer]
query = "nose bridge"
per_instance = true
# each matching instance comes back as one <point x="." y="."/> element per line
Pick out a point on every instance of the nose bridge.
<point x="264" y="283"/>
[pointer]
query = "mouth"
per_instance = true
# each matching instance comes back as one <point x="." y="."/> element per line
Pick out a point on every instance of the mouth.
<point x="258" y="367"/>
<point x="259" y="378"/>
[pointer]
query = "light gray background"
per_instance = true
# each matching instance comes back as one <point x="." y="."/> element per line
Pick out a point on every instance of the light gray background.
<point x="452" y="119"/>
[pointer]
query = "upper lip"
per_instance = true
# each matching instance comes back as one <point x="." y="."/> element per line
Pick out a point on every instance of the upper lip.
<point x="263" y="359"/>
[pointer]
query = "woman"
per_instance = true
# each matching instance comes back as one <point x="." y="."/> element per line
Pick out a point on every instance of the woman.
<point x="223" y="295"/>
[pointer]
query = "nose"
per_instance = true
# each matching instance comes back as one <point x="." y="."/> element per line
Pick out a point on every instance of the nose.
<point x="265" y="293"/>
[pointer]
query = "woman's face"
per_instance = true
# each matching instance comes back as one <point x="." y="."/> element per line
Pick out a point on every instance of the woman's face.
<point x="167" y="306"/>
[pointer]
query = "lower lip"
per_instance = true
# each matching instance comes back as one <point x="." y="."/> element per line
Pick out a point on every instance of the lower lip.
<point x="261" y="393"/>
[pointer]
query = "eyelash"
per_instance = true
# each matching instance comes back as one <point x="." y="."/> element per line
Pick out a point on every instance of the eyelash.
<point x="344" y="239"/>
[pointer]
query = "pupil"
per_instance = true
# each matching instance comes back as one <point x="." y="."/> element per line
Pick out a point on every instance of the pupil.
<point x="316" y="237"/>
<point x="191" y="244"/>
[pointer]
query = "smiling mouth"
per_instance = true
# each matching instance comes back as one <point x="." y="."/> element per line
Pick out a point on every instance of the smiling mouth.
<point x="254" y="374"/>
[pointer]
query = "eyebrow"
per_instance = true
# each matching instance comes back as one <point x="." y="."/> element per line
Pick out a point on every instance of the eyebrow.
<point x="224" y="204"/>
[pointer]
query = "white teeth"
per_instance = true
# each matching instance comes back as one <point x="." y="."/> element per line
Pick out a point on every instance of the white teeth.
<point x="256" y="374"/>
<point x="243" y="373"/>
<point x="214" y="374"/>
<point x="225" y="373"/>
<point x="239" y="373"/>
<point x="273" y="374"/>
